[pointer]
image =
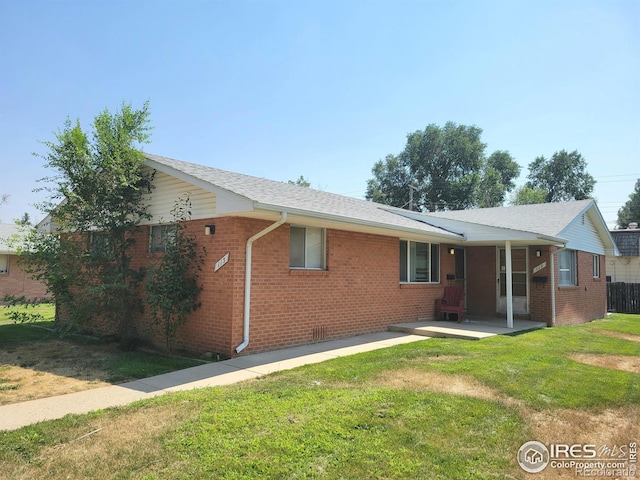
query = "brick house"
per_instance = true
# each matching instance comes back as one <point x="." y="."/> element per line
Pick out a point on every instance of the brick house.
<point x="288" y="265"/>
<point x="13" y="279"/>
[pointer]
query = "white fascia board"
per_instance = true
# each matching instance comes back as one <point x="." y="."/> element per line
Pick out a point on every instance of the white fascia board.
<point x="378" y="227"/>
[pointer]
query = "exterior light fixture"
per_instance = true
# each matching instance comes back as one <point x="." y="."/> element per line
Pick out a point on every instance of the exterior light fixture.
<point x="538" y="253"/>
<point x="452" y="251"/>
<point x="209" y="229"/>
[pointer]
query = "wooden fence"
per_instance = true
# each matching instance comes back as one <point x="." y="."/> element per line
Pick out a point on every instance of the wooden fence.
<point x="623" y="297"/>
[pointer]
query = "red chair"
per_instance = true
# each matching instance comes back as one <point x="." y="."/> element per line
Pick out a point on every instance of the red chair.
<point x="451" y="302"/>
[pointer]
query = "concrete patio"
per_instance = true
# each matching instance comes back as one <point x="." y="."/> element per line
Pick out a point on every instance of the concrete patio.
<point x="471" y="328"/>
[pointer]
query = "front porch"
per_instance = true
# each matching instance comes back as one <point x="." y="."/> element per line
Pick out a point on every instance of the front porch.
<point x="472" y="328"/>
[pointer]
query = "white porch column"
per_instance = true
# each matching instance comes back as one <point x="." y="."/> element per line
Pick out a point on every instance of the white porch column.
<point x="507" y="252"/>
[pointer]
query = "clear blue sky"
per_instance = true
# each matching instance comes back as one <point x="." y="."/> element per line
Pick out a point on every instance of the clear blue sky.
<point x="324" y="89"/>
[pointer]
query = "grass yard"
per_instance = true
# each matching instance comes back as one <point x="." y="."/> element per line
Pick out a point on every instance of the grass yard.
<point x="441" y="408"/>
<point x="35" y="362"/>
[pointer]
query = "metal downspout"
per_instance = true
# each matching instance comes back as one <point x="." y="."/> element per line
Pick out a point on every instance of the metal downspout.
<point x="247" y="278"/>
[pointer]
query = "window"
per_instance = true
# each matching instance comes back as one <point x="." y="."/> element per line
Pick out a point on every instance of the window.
<point x="596" y="266"/>
<point x="419" y="262"/>
<point x="161" y="236"/>
<point x="100" y="245"/>
<point x="307" y="248"/>
<point x="4" y="263"/>
<point x="567" y="268"/>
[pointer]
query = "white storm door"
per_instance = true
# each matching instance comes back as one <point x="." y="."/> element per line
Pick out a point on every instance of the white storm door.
<point x="519" y="260"/>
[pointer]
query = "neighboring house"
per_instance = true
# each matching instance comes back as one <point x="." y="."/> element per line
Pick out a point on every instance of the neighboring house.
<point x="626" y="267"/>
<point x="289" y="265"/>
<point x="13" y="279"/>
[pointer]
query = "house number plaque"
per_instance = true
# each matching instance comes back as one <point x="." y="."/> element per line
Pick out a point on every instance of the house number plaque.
<point x="221" y="263"/>
<point x="539" y="267"/>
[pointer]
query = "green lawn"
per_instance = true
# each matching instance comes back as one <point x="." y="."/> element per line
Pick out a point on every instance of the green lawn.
<point x="119" y="366"/>
<point x="347" y="418"/>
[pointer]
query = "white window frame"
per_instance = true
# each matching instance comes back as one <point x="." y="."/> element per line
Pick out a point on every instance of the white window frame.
<point x="165" y="231"/>
<point x="567" y="274"/>
<point x="410" y="275"/>
<point x="4" y="266"/>
<point x="596" y="266"/>
<point x="307" y="248"/>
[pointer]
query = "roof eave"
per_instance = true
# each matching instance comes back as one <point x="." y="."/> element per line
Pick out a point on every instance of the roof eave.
<point x="363" y="223"/>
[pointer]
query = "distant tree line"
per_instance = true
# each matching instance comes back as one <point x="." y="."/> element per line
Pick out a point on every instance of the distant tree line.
<point x="447" y="168"/>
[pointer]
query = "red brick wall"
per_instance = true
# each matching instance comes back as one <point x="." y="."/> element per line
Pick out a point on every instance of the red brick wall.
<point x="540" y="292"/>
<point x="586" y="301"/>
<point x="358" y="293"/>
<point x="210" y="328"/>
<point x="17" y="282"/>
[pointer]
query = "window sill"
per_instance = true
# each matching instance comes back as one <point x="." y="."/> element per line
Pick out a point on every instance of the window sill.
<point x="303" y="272"/>
<point x="418" y="284"/>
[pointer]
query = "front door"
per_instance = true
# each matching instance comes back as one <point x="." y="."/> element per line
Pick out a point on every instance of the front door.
<point x="519" y="278"/>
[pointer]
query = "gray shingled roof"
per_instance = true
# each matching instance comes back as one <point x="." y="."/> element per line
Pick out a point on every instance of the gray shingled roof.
<point x="548" y="219"/>
<point x="274" y="195"/>
<point x="628" y="242"/>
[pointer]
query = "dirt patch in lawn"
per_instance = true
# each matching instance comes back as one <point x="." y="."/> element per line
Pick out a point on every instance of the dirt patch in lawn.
<point x="617" y="362"/>
<point x="100" y="447"/>
<point x="623" y="336"/>
<point x="609" y="427"/>
<point x="55" y="367"/>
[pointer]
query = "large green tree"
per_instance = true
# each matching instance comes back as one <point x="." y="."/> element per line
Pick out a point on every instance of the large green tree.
<point x="390" y="183"/>
<point x="527" y="196"/>
<point x="630" y="211"/>
<point x="564" y="176"/>
<point x="97" y="201"/>
<point x="443" y="168"/>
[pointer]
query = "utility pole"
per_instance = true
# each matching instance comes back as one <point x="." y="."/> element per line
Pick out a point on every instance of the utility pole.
<point x="411" y="189"/>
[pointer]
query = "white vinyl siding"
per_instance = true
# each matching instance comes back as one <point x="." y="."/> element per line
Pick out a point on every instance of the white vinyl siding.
<point x="567" y="274"/>
<point x="307" y="248"/>
<point x="419" y="262"/>
<point x="168" y="190"/>
<point x="581" y="234"/>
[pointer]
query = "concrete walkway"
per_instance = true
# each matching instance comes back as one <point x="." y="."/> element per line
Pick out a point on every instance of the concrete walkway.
<point x="209" y="375"/>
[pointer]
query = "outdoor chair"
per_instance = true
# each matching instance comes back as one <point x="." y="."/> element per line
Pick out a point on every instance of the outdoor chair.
<point x="451" y="302"/>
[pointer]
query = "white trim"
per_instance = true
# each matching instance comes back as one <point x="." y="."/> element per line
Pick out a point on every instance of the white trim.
<point x="523" y="309"/>
<point x="429" y="262"/>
